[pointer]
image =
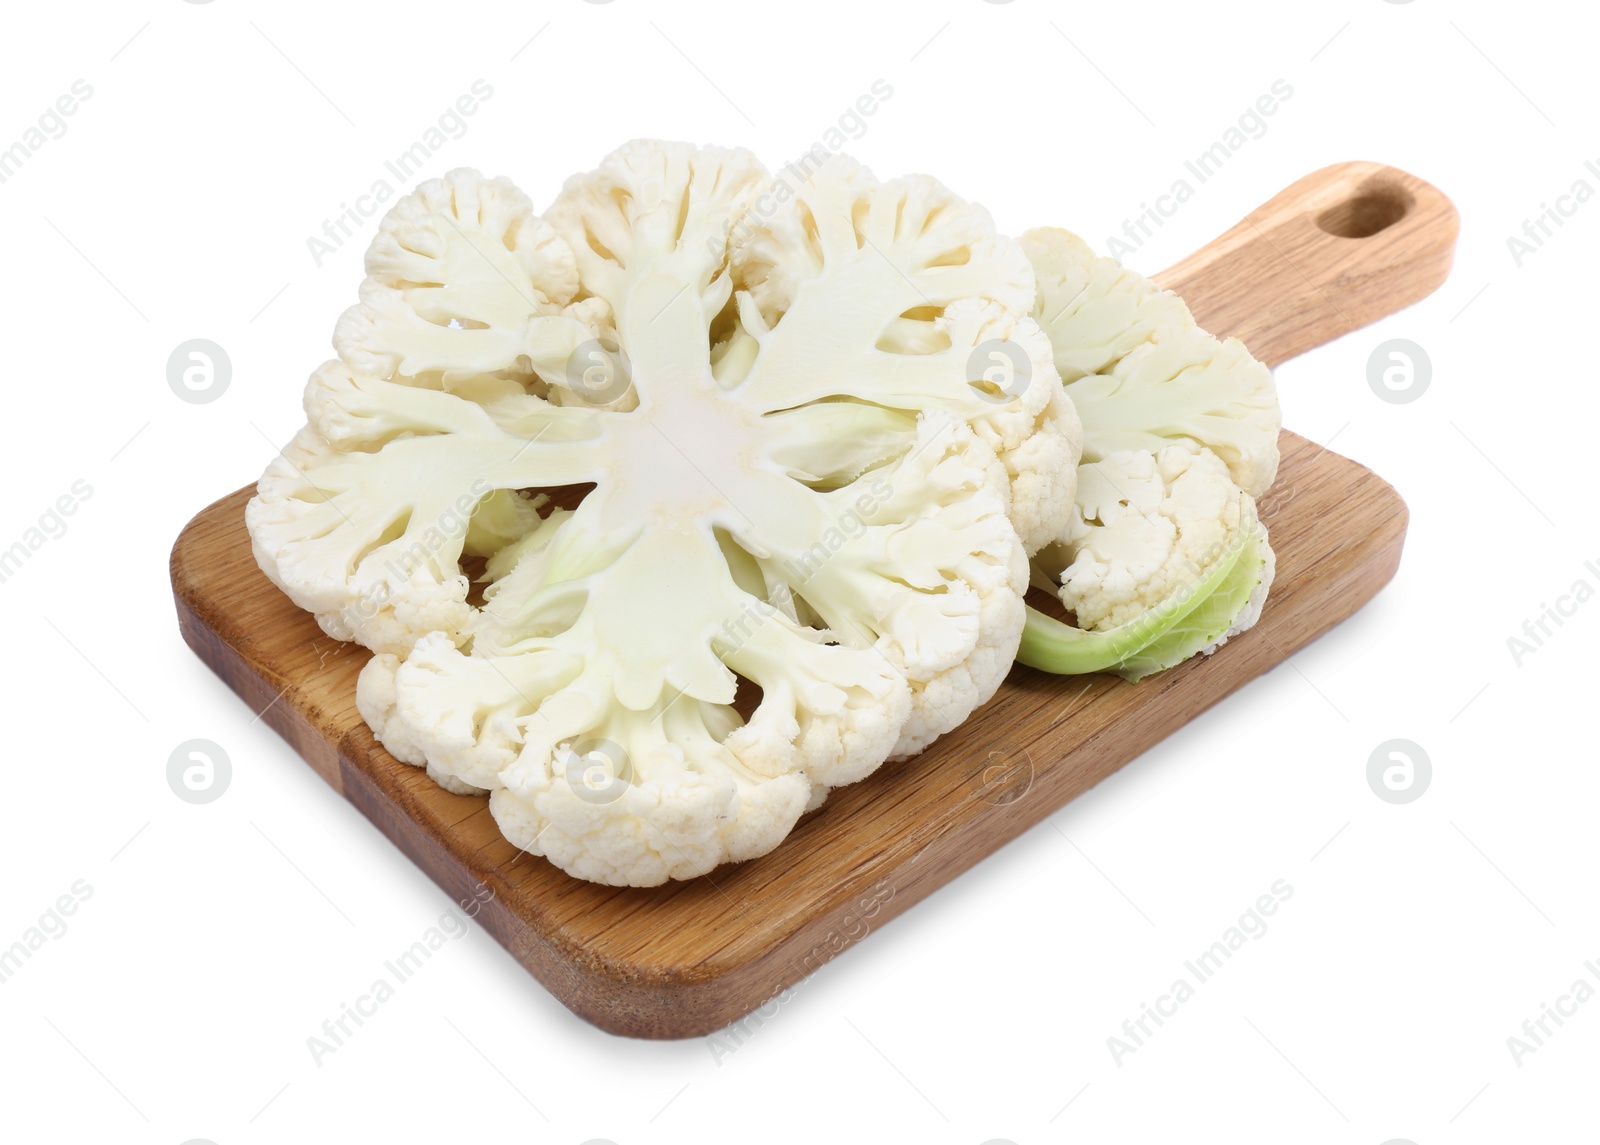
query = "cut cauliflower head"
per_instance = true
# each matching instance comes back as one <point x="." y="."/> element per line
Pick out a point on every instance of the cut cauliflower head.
<point x="795" y="558"/>
<point x="1166" y="557"/>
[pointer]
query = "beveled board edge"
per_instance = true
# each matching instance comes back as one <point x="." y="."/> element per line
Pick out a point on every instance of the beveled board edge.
<point x="645" y="1001"/>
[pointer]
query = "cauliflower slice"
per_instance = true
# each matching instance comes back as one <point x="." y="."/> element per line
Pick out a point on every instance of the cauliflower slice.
<point x="795" y="561"/>
<point x="1166" y="557"/>
<point x="1139" y="371"/>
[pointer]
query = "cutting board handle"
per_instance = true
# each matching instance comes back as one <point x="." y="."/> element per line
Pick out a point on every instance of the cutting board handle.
<point x="1343" y="247"/>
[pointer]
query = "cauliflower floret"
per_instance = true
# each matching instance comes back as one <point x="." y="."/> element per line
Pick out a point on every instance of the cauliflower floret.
<point x="675" y="828"/>
<point x="1042" y="469"/>
<point x="463" y="281"/>
<point x="375" y="700"/>
<point x="1094" y="310"/>
<point x="912" y="278"/>
<point x="1150" y="525"/>
<point x="947" y="248"/>
<point x="363" y="518"/>
<point x="666" y="206"/>
<point x="1189" y="387"/>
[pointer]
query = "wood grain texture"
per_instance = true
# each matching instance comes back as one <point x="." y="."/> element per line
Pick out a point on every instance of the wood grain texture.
<point x="1343" y="247"/>
<point x="689" y="958"/>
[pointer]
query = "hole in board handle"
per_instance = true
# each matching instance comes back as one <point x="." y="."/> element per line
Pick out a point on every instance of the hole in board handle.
<point x="1376" y="206"/>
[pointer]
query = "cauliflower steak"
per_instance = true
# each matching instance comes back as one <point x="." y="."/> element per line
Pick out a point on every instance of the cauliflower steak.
<point x="797" y="559"/>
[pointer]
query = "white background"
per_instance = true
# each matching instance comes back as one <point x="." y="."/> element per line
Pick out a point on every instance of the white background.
<point x="218" y="938"/>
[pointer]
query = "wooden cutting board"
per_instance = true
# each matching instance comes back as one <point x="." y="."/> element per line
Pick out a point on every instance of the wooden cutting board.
<point x="1337" y="250"/>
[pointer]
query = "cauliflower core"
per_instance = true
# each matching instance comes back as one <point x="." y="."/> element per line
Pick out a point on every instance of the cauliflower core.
<point x="1166" y="557"/>
<point x="795" y="560"/>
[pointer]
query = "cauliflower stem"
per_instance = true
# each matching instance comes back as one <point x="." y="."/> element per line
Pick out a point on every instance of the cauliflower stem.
<point x="1182" y="626"/>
